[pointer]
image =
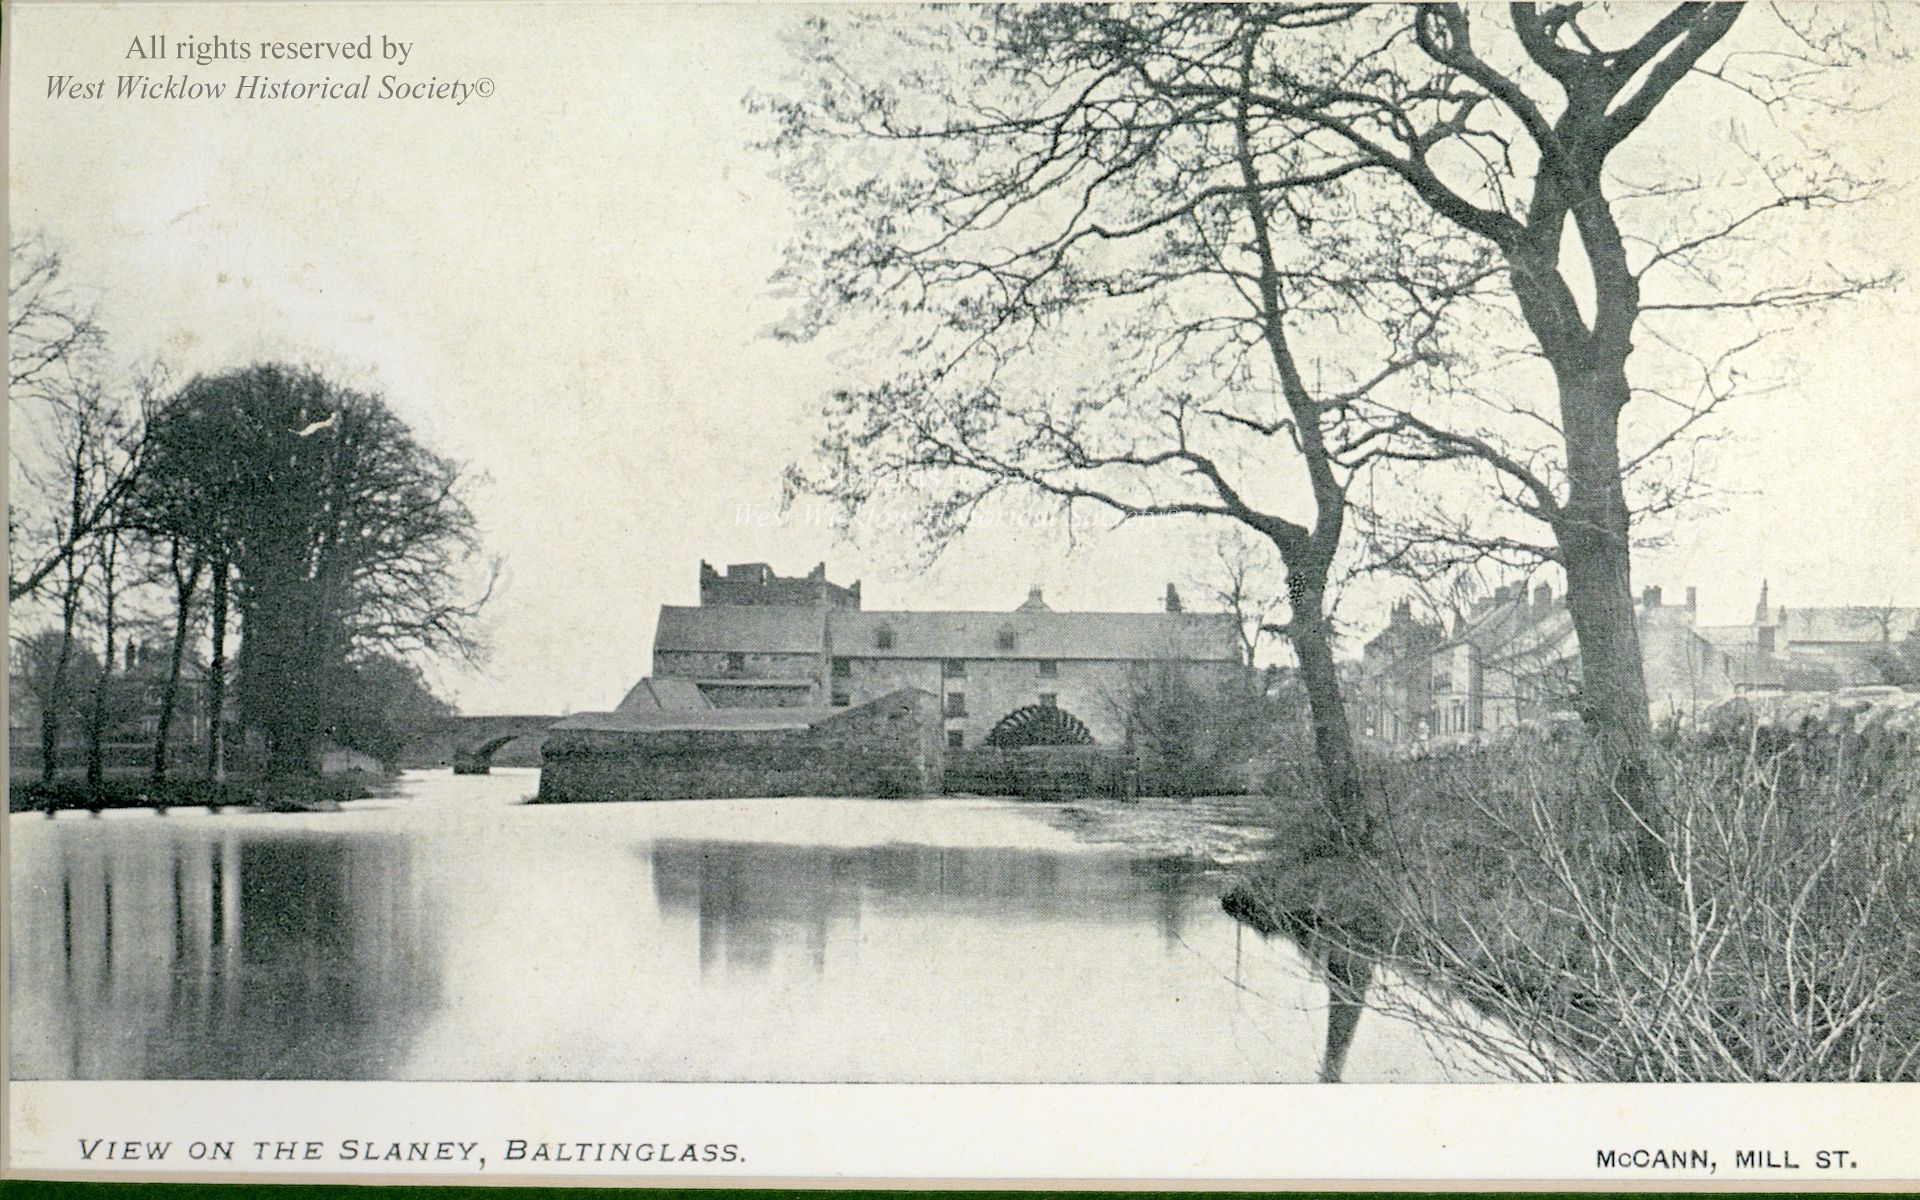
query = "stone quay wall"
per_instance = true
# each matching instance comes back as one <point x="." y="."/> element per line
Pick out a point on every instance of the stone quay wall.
<point x="891" y="747"/>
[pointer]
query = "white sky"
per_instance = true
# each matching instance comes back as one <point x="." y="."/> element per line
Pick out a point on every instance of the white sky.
<point x="564" y="285"/>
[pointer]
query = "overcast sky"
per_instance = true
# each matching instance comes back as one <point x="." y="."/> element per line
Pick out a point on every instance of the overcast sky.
<point x="564" y="286"/>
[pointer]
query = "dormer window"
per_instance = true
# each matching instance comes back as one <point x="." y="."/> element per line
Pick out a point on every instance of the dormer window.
<point x="1006" y="639"/>
<point x="883" y="637"/>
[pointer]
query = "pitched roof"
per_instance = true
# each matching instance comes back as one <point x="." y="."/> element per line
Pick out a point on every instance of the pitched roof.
<point x="665" y="694"/>
<point x="1203" y="637"/>
<point x="664" y="720"/>
<point x="1731" y="637"/>
<point x="749" y="628"/>
<point x="1851" y="625"/>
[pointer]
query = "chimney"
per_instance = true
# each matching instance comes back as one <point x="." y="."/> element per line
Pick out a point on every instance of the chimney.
<point x="1542" y="597"/>
<point x="1651" y="597"/>
<point x="1173" y="599"/>
<point x="1693" y="599"/>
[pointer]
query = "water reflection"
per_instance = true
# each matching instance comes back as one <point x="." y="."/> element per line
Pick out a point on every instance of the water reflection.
<point x="197" y="955"/>
<point x="750" y="898"/>
<point x="1348" y="975"/>
<point x="449" y="932"/>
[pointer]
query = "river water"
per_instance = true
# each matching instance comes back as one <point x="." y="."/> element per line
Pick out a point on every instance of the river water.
<point x="452" y="932"/>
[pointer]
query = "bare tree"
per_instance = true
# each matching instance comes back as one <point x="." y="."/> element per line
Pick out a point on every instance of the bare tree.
<point x="1509" y="128"/>
<point x="63" y="421"/>
<point x="185" y="567"/>
<point x="1240" y="581"/>
<point x="1087" y="240"/>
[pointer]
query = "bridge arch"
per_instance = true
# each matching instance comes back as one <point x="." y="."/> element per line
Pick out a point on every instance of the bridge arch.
<point x="471" y="742"/>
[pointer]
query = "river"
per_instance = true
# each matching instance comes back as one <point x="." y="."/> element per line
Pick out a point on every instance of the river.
<point x="449" y="931"/>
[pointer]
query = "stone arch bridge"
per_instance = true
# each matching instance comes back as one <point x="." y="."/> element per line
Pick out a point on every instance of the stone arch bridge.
<point x="468" y="744"/>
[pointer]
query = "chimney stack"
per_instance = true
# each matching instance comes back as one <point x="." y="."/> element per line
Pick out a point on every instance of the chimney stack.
<point x="1693" y="599"/>
<point x="1173" y="599"/>
<point x="1651" y="597"/>
<point x="1543" y="596"/>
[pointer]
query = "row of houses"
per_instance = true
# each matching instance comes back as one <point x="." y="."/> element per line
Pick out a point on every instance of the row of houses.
<point x="135" y="695"/>
<point x="1512" y="659"/>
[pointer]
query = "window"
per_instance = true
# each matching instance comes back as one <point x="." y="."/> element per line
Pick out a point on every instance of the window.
<point x="883" y="638"/>
<point x="842" y="697"/>
<point x="954" y="668"/>
<point x="1006" y="640"/>
<point x="1049" y="669"/>
<point x="956" y="704"/>
<point x="956" y="740"/>
<point x="1050" y="699"/>
<point x="736" y="662"/>
<point x="842" y="668"/>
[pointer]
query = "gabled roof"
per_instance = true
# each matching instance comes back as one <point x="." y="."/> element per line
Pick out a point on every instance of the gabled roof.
<point x="1204" y="637"/>
<point x="664" y="694"/>
<point x="748" y="628"/>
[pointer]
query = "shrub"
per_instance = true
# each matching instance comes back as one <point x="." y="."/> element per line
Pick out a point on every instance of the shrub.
<point x="1789" y="949"/>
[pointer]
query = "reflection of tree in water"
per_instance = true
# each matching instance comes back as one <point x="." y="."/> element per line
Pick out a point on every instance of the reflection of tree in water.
<point x="751" y="898"/>
<point x="175" y="957"/>
<point x="1347" y="972"/>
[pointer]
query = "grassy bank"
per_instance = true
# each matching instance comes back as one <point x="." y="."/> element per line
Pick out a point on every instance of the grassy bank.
<point x="266" y="793"/>
<point x="1790" y="948"/>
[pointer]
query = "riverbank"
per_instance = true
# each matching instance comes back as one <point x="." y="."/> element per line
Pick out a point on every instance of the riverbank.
<point x="1501" y="878"/>
<point x="257" y="793"/>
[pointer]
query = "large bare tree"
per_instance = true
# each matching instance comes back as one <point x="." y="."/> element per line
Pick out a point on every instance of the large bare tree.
<point x="1427" y="142"/>
<point x="1085" y="266"/>
<point x="1514" y="128"/>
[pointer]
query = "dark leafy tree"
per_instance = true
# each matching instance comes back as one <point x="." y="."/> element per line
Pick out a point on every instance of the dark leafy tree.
<point x="344" y="536"/>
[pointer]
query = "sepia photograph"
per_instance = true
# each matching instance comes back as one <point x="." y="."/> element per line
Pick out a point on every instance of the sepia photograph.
<point x="809" y="554"/>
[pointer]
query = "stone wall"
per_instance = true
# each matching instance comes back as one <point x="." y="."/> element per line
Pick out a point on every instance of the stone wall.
<point x="1077" y="772"/>
<point x="1096" y="691"/>
<point x="891" y="747"/>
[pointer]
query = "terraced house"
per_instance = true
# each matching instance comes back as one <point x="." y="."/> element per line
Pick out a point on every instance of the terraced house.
<point x="1512" y="659"/>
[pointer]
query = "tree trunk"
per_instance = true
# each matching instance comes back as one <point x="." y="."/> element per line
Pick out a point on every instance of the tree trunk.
<point x="217" y="676"/>
<point x="1332" y="735"/>
<point x="183" y="586"/>
<point x="97" y="725"/>
<point x="1594" y="538"/>
<point x="53" y="709"/>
